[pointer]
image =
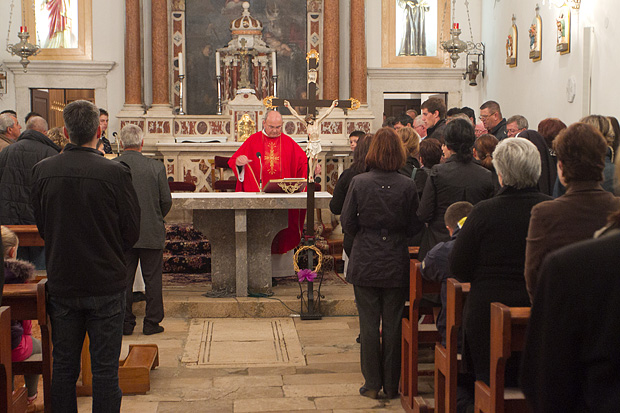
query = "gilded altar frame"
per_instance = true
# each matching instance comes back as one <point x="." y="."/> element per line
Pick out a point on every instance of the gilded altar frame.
<point x="389" y="52"/>
<point x="84" y="51"/>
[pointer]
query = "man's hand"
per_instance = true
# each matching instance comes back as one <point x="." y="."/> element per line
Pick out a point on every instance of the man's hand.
<point x="242" y="160"/>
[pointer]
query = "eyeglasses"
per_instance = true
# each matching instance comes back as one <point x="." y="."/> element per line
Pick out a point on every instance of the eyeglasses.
<point x="483" y="117"/>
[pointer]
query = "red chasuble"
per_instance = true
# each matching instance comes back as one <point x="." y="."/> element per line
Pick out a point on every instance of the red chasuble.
<point x="281" y="158"/>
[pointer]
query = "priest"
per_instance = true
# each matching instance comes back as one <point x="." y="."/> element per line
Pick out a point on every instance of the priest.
<point x="266" y="155"/>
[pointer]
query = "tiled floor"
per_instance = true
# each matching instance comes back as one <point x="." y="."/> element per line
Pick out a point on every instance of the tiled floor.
<point x="329" y="381"/>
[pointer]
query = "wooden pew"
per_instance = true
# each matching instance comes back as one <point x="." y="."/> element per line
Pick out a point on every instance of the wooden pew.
<point x="133" y="372"/>
<point x="28" y="235"/>
<point x="508" y="327"/>
<point x="27" y="302"/>
<point x="10" y="401"/>
<point x="414" y="334"/>
<point x="446" y="358"/>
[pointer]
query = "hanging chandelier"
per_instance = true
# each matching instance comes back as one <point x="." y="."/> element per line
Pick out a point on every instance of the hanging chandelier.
<point x="474" y="51"/>
<point x="24" y="48"/>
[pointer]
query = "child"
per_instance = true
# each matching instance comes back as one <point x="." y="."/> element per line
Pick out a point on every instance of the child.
<point x="23" y="345"/>
<point x="436" y="264"/>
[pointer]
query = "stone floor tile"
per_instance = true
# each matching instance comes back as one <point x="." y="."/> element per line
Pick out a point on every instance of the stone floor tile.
<point x="223" y="406"/>
<point x="318" y="378"/>
<point x="247" y="381"/>
<point x="273" y="405"/>
<point x="349" y="402"/>
<point x="350" y="357"/>
<point x="350" y="367"/>
<point x="321" y="390"/>
<point x="270" y="371"/>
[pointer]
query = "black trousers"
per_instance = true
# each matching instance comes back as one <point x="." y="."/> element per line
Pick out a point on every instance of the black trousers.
<point x="151" y="263"/>
<point x="380" y="311"/>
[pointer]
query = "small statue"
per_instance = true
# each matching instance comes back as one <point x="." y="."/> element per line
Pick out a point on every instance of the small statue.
<point x="313" y="127"/>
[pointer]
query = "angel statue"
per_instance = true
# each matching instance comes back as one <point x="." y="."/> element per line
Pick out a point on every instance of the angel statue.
<point x="313" y="127"/>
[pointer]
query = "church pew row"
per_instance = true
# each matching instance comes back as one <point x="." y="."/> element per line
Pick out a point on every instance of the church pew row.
<point x="508" y="328"/>
<point x="133" y="371"/>
<point x="10" y="401"/>
<point x="414" y="334"/>
<point x="28" y="302"/>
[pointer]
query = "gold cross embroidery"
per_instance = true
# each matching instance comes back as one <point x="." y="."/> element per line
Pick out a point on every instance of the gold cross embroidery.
<point x="271" y="157"/>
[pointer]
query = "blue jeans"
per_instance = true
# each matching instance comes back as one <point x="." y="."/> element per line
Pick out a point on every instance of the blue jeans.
<point x="102" y="318"/>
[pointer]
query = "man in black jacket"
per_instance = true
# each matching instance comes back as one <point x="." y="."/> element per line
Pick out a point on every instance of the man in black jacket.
<point x="16" y="162"/>
<point x="87" y="211"/>
<point x="434" y="115"/>
<point x="494" y="122"/>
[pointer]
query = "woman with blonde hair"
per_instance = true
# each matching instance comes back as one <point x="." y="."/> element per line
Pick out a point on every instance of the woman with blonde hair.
<point x="603" y="125"/>
<point x="412" y="168"/>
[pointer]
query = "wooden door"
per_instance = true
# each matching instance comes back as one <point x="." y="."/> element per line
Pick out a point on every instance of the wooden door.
<point x="40" y="103"/>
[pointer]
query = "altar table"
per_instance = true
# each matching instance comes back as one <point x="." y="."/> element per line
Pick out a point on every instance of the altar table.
<point x="240" y="227"/>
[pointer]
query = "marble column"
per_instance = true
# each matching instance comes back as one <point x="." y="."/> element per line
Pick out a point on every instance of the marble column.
<point x="160" y="65"/>
<point x="358" y="50"/>
<point x="331" y="49"/>
<point x="133" y="76"/>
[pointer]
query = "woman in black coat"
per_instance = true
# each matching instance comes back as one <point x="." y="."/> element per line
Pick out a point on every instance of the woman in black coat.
<point x="458" y="179"/>
<point x="379" y="212"/>
<point x="490" y="249"/>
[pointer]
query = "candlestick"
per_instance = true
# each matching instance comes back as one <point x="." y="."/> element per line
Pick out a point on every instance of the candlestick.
<point x="181" y="65"/>
<point x="181" y="85"/>
<point x="217" y="64"/>
<point x="273" y="64"/>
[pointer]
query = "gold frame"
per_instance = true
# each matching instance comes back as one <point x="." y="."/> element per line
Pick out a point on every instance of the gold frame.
<point x="84" y="51"/>
<point x="388" y="35"/>
<point x="564" y="48"/>
<point x="512" y="59"/>
<point x="536" y="55"/>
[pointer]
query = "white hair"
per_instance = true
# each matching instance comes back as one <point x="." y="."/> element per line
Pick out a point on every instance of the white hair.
<point x="131" y="136"/>
<point x="518" y="162"/>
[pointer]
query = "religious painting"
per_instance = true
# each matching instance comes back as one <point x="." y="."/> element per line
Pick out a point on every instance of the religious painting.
<point x="61" y="28"/>
<point x="511" y="44"/>
<point x="535" y="35"/>
<point x="2" y="81"/>
<point x="562" y="23"/>
<point x="207" y="24"/>
<point x="412" y="32"/>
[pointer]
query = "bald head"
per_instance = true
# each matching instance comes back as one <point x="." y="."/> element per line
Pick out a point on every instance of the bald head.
<point x="37" y="123"/>
<point x="272" y="124"/>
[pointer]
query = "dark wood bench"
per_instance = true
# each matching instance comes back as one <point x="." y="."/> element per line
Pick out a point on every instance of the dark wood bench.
<point x="447" y="358"/>
<point x="28" y="235"/>
<point x="10" y="401"/>
<point x="28" y="302"/>
<point x="508" y="327"/>
<point x="414" y="334"/>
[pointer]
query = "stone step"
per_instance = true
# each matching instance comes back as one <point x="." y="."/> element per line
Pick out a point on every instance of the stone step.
<point x="190" y="302"/>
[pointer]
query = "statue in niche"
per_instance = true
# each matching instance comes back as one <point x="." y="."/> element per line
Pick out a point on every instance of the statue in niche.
<point x="413" y="42"/>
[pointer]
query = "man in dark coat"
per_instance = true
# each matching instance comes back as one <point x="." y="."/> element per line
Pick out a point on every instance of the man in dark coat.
<point x="570" y="362"/>
<point x="491" y="117"/>
<point x="16" y="162"/>
<point x="149" y="180"/>
<point x="87" y="211"/>
<point x="434" y="115"/>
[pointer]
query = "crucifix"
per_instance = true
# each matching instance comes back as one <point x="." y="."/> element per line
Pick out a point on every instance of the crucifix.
<point x="314" y="130"/>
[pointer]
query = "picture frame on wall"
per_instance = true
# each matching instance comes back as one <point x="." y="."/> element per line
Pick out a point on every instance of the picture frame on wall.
<point x="412" y="32"/>
<point x="562" y="26"/>
<point x="511" y="44"/>
<point x="535" y="35"/>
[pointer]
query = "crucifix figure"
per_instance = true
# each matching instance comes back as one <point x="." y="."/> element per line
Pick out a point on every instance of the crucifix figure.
<point x="313" y="128"/>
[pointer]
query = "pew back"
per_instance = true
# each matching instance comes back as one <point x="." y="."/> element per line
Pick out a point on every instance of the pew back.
<point x="10" y="401"/>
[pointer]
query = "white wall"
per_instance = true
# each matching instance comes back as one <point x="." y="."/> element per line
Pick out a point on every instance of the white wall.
<point x="108" y="46"/>
<point x="537" y="90"/>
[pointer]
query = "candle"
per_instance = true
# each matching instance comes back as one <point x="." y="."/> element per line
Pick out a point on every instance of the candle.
<point x="455" y="26"/>
<point x="23" y="29"/>
<point x="218" y="70"/>
<point x="181" y="65"/>
<point x="273" y="64"/>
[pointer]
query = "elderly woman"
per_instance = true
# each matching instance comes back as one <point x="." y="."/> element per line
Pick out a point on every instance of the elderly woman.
<point x="457" y="179"/>
<point x="379" y="212"/>
<point x="490" y="249"/>
<point x="576" y="215"/>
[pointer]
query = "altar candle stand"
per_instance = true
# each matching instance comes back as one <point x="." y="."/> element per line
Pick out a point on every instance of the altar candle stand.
<point x="218" y="77"/>
<point x="181" y="83"/>
<point x="274" y="74"/>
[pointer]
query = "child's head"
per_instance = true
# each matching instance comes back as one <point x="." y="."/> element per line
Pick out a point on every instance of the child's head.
<point x="455" y="213"/>
<point x="9" y="243"/>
